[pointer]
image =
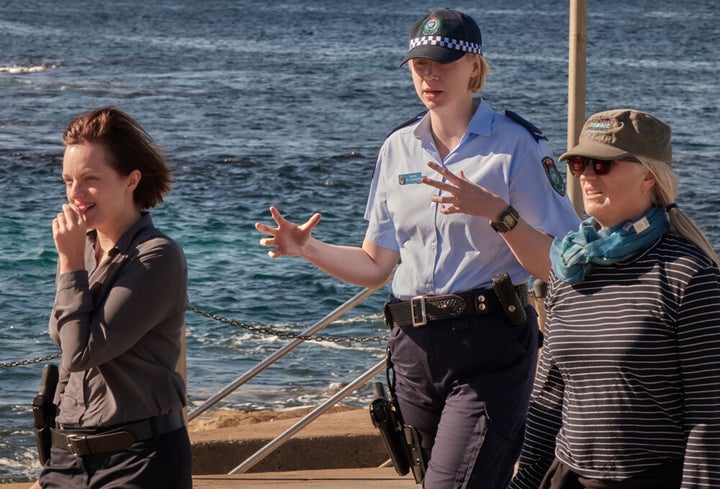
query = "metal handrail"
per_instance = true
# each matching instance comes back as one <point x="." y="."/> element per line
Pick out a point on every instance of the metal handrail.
<point x="307" y="419"/>
<point x="318" y="326"/>
<point x="258" y="456"/>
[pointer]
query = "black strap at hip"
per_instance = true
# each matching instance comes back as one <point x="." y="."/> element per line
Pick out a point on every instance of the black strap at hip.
<point x="117" y="438"/>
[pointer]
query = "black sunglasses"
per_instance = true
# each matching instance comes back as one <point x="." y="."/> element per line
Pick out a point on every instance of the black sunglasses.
<point x="577" y="165"/>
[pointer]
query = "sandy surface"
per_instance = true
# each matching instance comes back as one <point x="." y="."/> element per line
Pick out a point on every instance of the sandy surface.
<point x="230" y="418"/>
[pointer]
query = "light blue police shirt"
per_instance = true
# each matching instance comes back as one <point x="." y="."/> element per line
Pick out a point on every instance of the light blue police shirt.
<point x="441" y="254"/>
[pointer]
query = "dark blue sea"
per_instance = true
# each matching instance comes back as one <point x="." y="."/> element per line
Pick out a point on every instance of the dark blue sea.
<point x="287" y="103"/>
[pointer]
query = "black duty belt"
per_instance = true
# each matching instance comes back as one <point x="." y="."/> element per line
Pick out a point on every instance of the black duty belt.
<point x="119" y="438"/>
<point x="420" y="310"/>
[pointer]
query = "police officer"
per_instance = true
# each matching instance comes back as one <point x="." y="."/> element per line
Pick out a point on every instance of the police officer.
<point x="464" y="373"/>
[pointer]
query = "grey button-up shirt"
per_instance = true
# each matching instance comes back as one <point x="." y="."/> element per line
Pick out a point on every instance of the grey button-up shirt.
<point x="119" y="325"/>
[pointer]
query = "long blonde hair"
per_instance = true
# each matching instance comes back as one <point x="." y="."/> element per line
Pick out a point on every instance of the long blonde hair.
<point x="664" y="194"/>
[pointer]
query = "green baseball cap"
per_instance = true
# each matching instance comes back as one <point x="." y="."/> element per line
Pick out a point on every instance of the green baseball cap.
<point x="623" y="134"/>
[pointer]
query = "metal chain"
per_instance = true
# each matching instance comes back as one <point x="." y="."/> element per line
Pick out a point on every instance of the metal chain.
<point x="231" y="322"/>
<point x="284" y="334"/>
<point x="22" y="363"/>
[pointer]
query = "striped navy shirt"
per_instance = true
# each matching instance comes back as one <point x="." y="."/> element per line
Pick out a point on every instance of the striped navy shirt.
<point x="630" y="371"/>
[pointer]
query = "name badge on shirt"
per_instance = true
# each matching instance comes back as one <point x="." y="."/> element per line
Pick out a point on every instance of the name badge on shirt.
<point x="410" y="178"/>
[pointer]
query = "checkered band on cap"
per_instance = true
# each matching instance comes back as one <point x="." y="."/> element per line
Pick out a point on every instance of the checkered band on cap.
<point x="446" y="42"/>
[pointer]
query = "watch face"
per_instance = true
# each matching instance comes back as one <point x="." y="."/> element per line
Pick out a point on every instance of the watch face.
<point x="507" y="221"/>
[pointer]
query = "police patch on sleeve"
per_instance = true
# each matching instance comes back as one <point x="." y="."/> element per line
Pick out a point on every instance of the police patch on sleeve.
<point x="554" y="175"/>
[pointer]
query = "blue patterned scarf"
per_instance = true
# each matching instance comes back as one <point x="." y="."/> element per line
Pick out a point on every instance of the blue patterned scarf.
<point x="579" y="251"/>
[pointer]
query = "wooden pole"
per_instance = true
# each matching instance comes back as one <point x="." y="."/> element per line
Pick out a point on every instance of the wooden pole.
<point x="577" y="54"/>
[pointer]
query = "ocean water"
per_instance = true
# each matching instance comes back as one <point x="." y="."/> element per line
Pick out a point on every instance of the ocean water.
<point x="287" y="103"/>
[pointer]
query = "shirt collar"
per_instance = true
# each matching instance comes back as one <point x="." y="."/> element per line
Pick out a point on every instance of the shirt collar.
<point x="480" y="124"/>
<point x="482" y="121"/>
<point x="128" y="236"/>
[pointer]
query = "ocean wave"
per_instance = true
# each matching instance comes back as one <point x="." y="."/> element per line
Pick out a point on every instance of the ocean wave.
<point x="17" y="69"/>
<point x="22" y="467"/>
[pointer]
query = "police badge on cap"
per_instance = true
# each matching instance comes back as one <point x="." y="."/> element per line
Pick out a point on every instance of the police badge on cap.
<point x="444" y="35"/>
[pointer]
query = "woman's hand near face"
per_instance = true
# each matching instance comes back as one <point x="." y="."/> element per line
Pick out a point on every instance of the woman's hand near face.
<point x="464" y="195"/>
<point x="69" y="230"/>
<point x="288" y="238"/>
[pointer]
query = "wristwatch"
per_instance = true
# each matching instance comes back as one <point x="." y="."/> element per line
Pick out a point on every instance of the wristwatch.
<point x="506" y="221"/>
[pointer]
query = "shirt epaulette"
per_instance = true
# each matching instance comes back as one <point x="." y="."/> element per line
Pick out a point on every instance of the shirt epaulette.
<point x="531" y="128"/>
<point x="412" y="120"/>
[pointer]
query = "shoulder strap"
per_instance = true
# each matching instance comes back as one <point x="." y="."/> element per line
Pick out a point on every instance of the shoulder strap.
<point x="531" y="128"/>
<point x="408" y="122"/>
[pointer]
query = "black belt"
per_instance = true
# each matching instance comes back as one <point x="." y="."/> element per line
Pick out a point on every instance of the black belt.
<point x="420" y="310"/>
<point x="119" y="438"/>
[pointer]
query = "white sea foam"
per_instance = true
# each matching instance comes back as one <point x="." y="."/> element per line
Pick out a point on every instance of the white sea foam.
<point x="18" y="69"/>
<point x="24" y="464"/>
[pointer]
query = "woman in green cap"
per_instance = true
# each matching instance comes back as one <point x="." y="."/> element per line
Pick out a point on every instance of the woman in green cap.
<point x="627" y="393"/>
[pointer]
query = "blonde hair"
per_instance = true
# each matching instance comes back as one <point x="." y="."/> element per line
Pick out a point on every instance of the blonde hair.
<point x="478" y="82"/>
<point x="664" y="194"/>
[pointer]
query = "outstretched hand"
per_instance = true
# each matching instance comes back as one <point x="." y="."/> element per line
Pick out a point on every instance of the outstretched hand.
<point x="463" y="195"/>
<point x="288" y="238"/>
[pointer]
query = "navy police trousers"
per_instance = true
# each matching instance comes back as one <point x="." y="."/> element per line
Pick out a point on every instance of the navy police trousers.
<point x="467" y="381"/>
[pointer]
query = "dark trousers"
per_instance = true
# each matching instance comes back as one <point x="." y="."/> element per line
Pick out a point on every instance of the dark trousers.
<point x="666" y="476"/>
<point x="161" y="463"/>
<point x="467" y="381"/>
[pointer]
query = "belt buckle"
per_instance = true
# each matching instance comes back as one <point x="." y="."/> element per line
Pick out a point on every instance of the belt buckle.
<point x="78" y="445"/>
<point x="422" y="321"/>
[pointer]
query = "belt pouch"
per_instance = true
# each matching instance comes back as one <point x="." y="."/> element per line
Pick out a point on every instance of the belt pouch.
<point x="512" y="306"/>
